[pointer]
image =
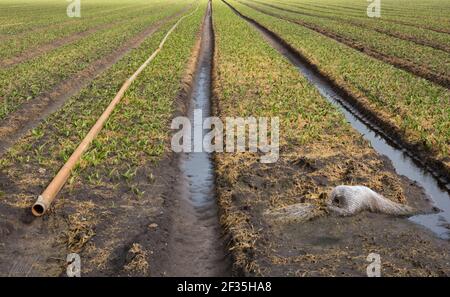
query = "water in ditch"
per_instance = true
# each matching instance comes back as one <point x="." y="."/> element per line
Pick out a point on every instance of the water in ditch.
<point x="436" y="222"/>
<point x="198" y="248"/>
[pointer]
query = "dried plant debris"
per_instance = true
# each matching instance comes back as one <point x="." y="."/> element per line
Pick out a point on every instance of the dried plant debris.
<point x="137" y="261"/>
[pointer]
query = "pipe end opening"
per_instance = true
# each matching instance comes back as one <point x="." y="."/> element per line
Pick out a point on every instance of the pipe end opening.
<point x="38" y="209"/>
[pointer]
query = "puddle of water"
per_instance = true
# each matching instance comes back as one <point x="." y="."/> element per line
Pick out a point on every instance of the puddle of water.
<point x="198" y="248"/>
<point x="198" y="166"/>
<point x="403" y="164"/>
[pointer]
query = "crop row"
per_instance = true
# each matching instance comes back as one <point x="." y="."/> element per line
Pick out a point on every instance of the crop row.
<point x="22" y="43"/>
<point x="28" y="80"/>
<point x="417" y="35"/>
<point x="424" y="57"/>
<point x="25" y="17"/>
<point x="417" y="107"/>
<point x="433" y="14"/>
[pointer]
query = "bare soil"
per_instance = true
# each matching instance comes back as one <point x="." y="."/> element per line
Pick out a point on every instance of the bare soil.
<point x="114" y="232"/>
<point x="155" y="234"/>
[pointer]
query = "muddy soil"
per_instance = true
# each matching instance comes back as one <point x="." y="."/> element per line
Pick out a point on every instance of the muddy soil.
<point x="197" y="245"/>
<point x="115" y="232"/>
<point x="326" y="245"/>
<point x="339" y="247"/>
<point x="172" y="229"/>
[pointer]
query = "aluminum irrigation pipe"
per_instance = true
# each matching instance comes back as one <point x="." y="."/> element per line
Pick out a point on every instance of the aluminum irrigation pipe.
<point x="45" y="199"/>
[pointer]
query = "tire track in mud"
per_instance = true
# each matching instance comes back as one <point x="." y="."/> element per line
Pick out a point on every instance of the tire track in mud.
<point x="404" y="159"/>
<point x="417" y="70"/>
<point x="398" y="35"/>
<point x="196" y="245"/>
<point x="32" y="112"/>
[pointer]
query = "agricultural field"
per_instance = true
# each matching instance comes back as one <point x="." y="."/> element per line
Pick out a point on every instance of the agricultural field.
<point x="321" y="149"/>
<point x="91" y="162"/>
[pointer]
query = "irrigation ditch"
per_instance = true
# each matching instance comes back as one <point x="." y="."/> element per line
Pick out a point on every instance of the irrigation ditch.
<point x="197" y="246"/>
